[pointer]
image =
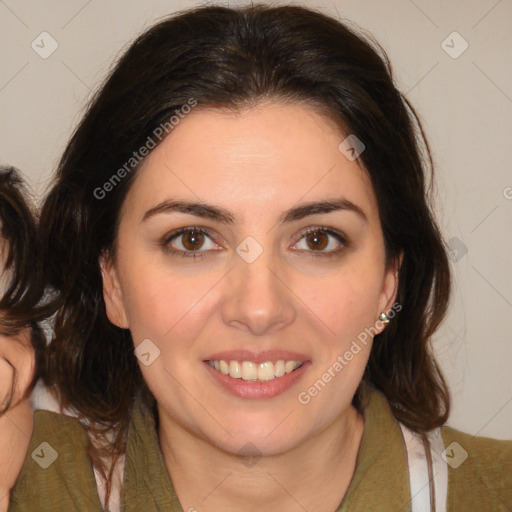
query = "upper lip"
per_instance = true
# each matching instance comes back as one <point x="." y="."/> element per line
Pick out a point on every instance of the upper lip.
<point x="257" y="357"/>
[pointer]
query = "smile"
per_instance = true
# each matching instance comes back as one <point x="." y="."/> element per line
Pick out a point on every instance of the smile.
<point x="259" y="372"/>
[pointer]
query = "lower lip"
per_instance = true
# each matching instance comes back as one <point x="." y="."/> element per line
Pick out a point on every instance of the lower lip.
<point x="254" y="389"/>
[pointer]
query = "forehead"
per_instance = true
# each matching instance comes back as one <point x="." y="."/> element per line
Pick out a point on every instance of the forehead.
<point x="269" y="156"/>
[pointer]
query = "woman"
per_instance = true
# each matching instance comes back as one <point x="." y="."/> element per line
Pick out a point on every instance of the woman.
<point x="248" y="275"/>
<point x="21" y="338"/>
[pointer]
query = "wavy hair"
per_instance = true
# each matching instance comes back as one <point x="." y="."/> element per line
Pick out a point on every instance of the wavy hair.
<point x="235" y="58"/>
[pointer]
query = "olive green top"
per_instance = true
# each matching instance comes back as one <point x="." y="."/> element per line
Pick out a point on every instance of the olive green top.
<point x="483" y="482"/>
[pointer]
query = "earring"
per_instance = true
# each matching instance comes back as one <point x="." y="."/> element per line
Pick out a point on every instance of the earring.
<point x="384" y="318"/>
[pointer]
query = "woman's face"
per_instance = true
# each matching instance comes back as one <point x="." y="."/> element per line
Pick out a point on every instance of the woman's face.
<point x="249" y="285"/>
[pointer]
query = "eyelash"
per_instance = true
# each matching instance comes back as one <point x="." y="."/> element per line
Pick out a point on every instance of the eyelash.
<point x="340" y="237"/>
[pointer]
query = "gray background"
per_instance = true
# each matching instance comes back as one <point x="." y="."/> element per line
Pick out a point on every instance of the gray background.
<point x="464" y="102"/>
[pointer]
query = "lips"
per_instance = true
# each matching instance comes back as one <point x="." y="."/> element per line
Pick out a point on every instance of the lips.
<point x="249" y="374"/>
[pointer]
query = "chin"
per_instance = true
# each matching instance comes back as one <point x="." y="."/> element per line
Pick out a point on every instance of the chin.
<point x="268" y="439"/>
<point x="256" y="446"/>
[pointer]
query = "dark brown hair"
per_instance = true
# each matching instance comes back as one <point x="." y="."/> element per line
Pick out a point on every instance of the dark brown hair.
<point x="234" y="58"/>
<point x="20" y="301"/>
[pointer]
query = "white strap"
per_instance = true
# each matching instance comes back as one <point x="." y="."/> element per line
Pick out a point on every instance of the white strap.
<point x="114" y="504"/>
<point x="418" y="470"/>
<point x="440" y="469"/>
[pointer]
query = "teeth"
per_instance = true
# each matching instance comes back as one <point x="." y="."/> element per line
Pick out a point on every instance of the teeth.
<point x="234" y="370"/>
<point x="247" y="370"/>
<point x="290" y="366"/>
<point x="266" y="371"/>
<point x="224" y="368"/>
<point x="279" y="368"/>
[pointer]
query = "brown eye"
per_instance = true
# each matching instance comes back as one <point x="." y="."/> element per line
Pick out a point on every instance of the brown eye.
<point x="317" y="240"/>
<point x="322" y="241"/>
<point x="192" y="240"/>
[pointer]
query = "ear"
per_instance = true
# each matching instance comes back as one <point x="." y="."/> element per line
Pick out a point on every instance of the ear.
<point x="112" y="293"/>
<point x="390" y="287"/>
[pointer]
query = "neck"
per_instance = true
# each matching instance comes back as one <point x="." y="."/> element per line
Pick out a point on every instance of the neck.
<point x="209" y="479"/>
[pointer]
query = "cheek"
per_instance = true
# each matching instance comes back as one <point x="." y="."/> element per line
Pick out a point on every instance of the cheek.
<point x="162" y="305"/>
<point x="346" y="301"/>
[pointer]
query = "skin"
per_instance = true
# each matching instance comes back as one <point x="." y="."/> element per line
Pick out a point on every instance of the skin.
<point x="256" y="163"/>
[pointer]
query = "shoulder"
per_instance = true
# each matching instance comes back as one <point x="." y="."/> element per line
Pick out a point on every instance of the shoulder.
<point x="483" y="449"/>
<point x="479" y="471"/>
<point x="57" y="473"/>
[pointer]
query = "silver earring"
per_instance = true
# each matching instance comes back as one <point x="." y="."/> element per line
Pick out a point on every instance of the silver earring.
<point x="384" y="318"/>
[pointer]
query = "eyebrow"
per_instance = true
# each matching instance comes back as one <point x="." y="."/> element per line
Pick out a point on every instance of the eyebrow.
<point x="216" y="213"/>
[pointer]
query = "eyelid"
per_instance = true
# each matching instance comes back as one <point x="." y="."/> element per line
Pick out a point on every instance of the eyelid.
<point x="186" y="229"/>
<point x="326" y="229"/>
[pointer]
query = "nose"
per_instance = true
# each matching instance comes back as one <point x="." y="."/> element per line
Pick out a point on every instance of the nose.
<point x="257" y="298"/>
